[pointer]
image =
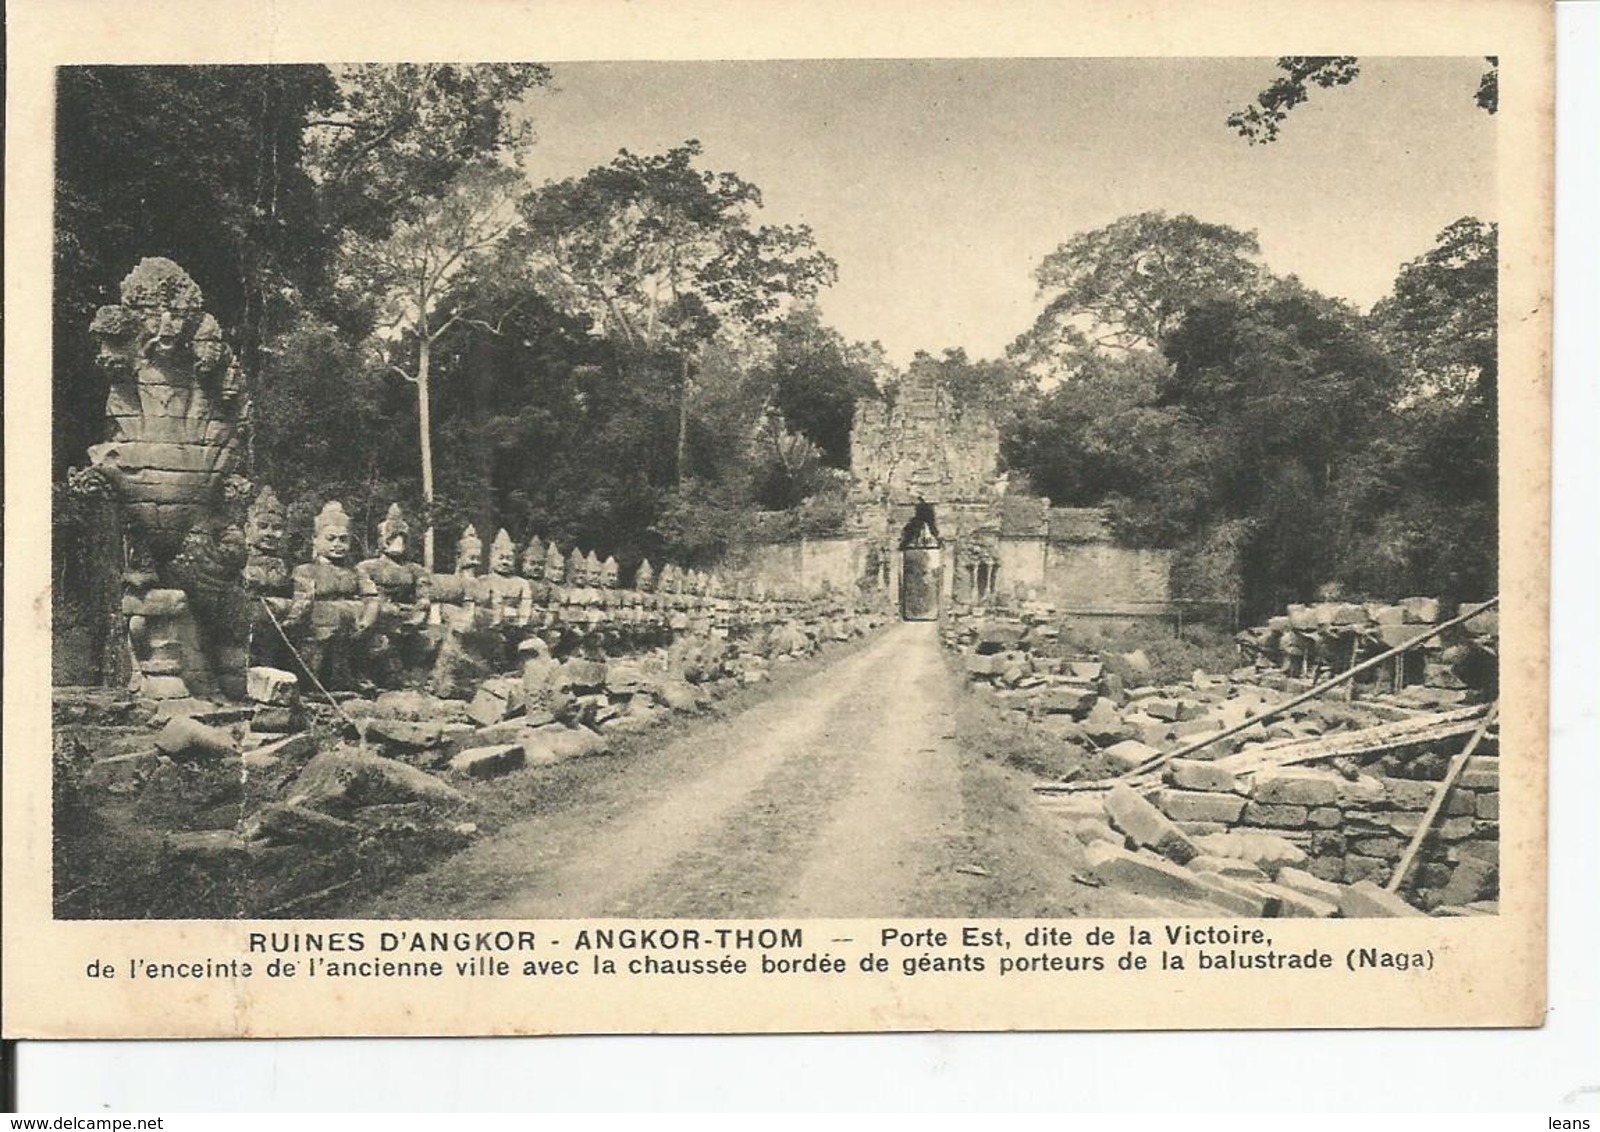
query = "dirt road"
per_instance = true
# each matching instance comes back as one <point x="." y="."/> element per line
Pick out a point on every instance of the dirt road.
<point x="845" y="794"/>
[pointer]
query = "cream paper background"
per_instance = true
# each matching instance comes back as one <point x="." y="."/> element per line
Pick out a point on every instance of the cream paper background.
<point x="1490" y="970"/>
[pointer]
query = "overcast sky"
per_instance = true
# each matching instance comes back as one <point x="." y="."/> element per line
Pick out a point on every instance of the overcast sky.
<point x="938" y="185"/>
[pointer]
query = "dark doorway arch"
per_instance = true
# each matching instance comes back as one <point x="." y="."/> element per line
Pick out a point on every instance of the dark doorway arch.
<point x="921" y="565"/>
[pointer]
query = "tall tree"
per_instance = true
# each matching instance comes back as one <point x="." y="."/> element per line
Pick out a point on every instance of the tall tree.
<point x="398" y="133"/>
<point x="665" y="256"/>
<point x="414" y="277"/>
<point x="1126" y="286"/>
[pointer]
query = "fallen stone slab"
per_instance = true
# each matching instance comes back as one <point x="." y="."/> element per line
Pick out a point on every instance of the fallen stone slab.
<point x="213" y="845"/>
<point x="1241" y="897"/>
<point x="1129" y="753"/>
<point x="488" y="762"/>
<point x="187" y="740"/>
<point x="547" y="745"/>
<point x="290" y="749"/>
<point x="1227" y="866"/>
<point x="1143" y="874"/>
<point x="403" y="734"/>
<point x="1291" y="902"/>
<point x="287" y="823"/>
<point x="1304" y="883"/>
<point x="344" y="778"/>
<point x="1146" y="825"/>
<point x="1364" y="900"/>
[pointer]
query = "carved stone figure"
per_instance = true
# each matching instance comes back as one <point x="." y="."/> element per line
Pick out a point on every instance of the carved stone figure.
<point x="510" y="598"/>
<point x="644" y="579"/>
<point x="555" y="566"/>
<point x="172" y="404"/>
<point x="397" y="641"/>
<point x="266" y="574"/>
<point x="610" y="573"/>
<point x="396" y="580"/>
<point x="469" y="553"/>
<point x="333" y="604"/>
<point x="533" y="560"/>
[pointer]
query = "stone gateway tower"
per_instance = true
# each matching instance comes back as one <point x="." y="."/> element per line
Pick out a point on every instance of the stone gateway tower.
<point x="934" y="522"/>
<point x="927" y="494"/>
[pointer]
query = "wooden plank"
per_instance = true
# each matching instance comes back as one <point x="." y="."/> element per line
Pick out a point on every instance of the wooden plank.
<point x="1451" y="773"/>
<point x="1327" y="685"/>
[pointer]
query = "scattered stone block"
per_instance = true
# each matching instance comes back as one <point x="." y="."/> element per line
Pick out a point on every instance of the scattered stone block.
<point x="488" y="762"/>
<point x="1200" y="806"/>
<point x="1405" y="794"/>
<point x="1358" y="868"/>
<point x="187" y="740"/>
<point x="1365" y="900"/>
<point x="1276" y="816"/>
<point x="1296" y="786"/>
<point x="207" y="845"/>
<point x="1487" y="805"/>
<point x="1087" y="830"/>
<point x="285" y="823"/>
<point x="1086" y="669"/>
<point x="290" y="749"/>
<point x="271" y="686"/>
<point x="1227" y="866"/>
<point x="1144" y="874"/>
<point x="1066" y="701"/>
<point x="1309" y="884"/>
<point x="1197" y="774"/>
<point x="1146" y="825"/>
<point x="1189" y="728"/>
<point x="1291" y="902"/>
<point x="1104" y="723"/>
<point x="403" y="734"/>
<point x="1129" y="753"/>
<point x="1324" y="817"/>
<point x="1480" y="773"/>
<point x="1240" y="897"/>
<point x="347" y="779"/>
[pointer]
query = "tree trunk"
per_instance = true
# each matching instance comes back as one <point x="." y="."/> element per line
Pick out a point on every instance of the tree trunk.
<point x="683" y="418"/>
<point x="425" y="428"/>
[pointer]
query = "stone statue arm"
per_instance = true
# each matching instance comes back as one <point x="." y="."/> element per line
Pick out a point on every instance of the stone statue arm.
<point x="303" y="597"/>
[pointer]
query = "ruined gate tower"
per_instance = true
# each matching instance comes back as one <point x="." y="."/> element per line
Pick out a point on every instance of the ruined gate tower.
<point x="927" y="494"/>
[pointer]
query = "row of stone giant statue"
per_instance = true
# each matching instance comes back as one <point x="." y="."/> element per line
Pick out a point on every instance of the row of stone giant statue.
<point x="202" y="601"/>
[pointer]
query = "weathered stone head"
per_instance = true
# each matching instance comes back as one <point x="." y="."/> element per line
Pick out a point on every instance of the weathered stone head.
<point x="555" y="566"/>
<point x="503" y="554"/>
<point x="533" y="559"/>
<point x="469" y="552"/>
<point x="610" y="573"/>
<point x="591" y="569"/>
<point x="577" y="571"/>
<point x="394" y="534"/>
<point x="644" y="578"/>
<point x="264" y="525"/>
<point x="670" y="580"/>
<point x="330" y="540"/>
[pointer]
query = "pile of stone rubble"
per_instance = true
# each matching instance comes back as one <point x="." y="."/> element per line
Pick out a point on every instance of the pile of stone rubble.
<point x="1209" y="790"/>
<point x="253" y="785"/>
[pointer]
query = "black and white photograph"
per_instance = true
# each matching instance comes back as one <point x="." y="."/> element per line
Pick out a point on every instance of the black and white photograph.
<point x="793" y="512"/>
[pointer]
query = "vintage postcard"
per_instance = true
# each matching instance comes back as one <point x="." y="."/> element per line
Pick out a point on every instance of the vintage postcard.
<point x="538" y="518"/>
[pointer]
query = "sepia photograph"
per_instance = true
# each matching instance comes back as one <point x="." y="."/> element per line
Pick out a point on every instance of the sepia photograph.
<point x="694" y="514"/>
<point x="822" y="489"/>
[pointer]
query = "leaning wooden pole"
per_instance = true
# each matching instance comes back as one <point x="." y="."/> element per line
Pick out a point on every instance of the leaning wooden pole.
<point x="1156" y="762"/>
<point x="1453" y="772"/>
